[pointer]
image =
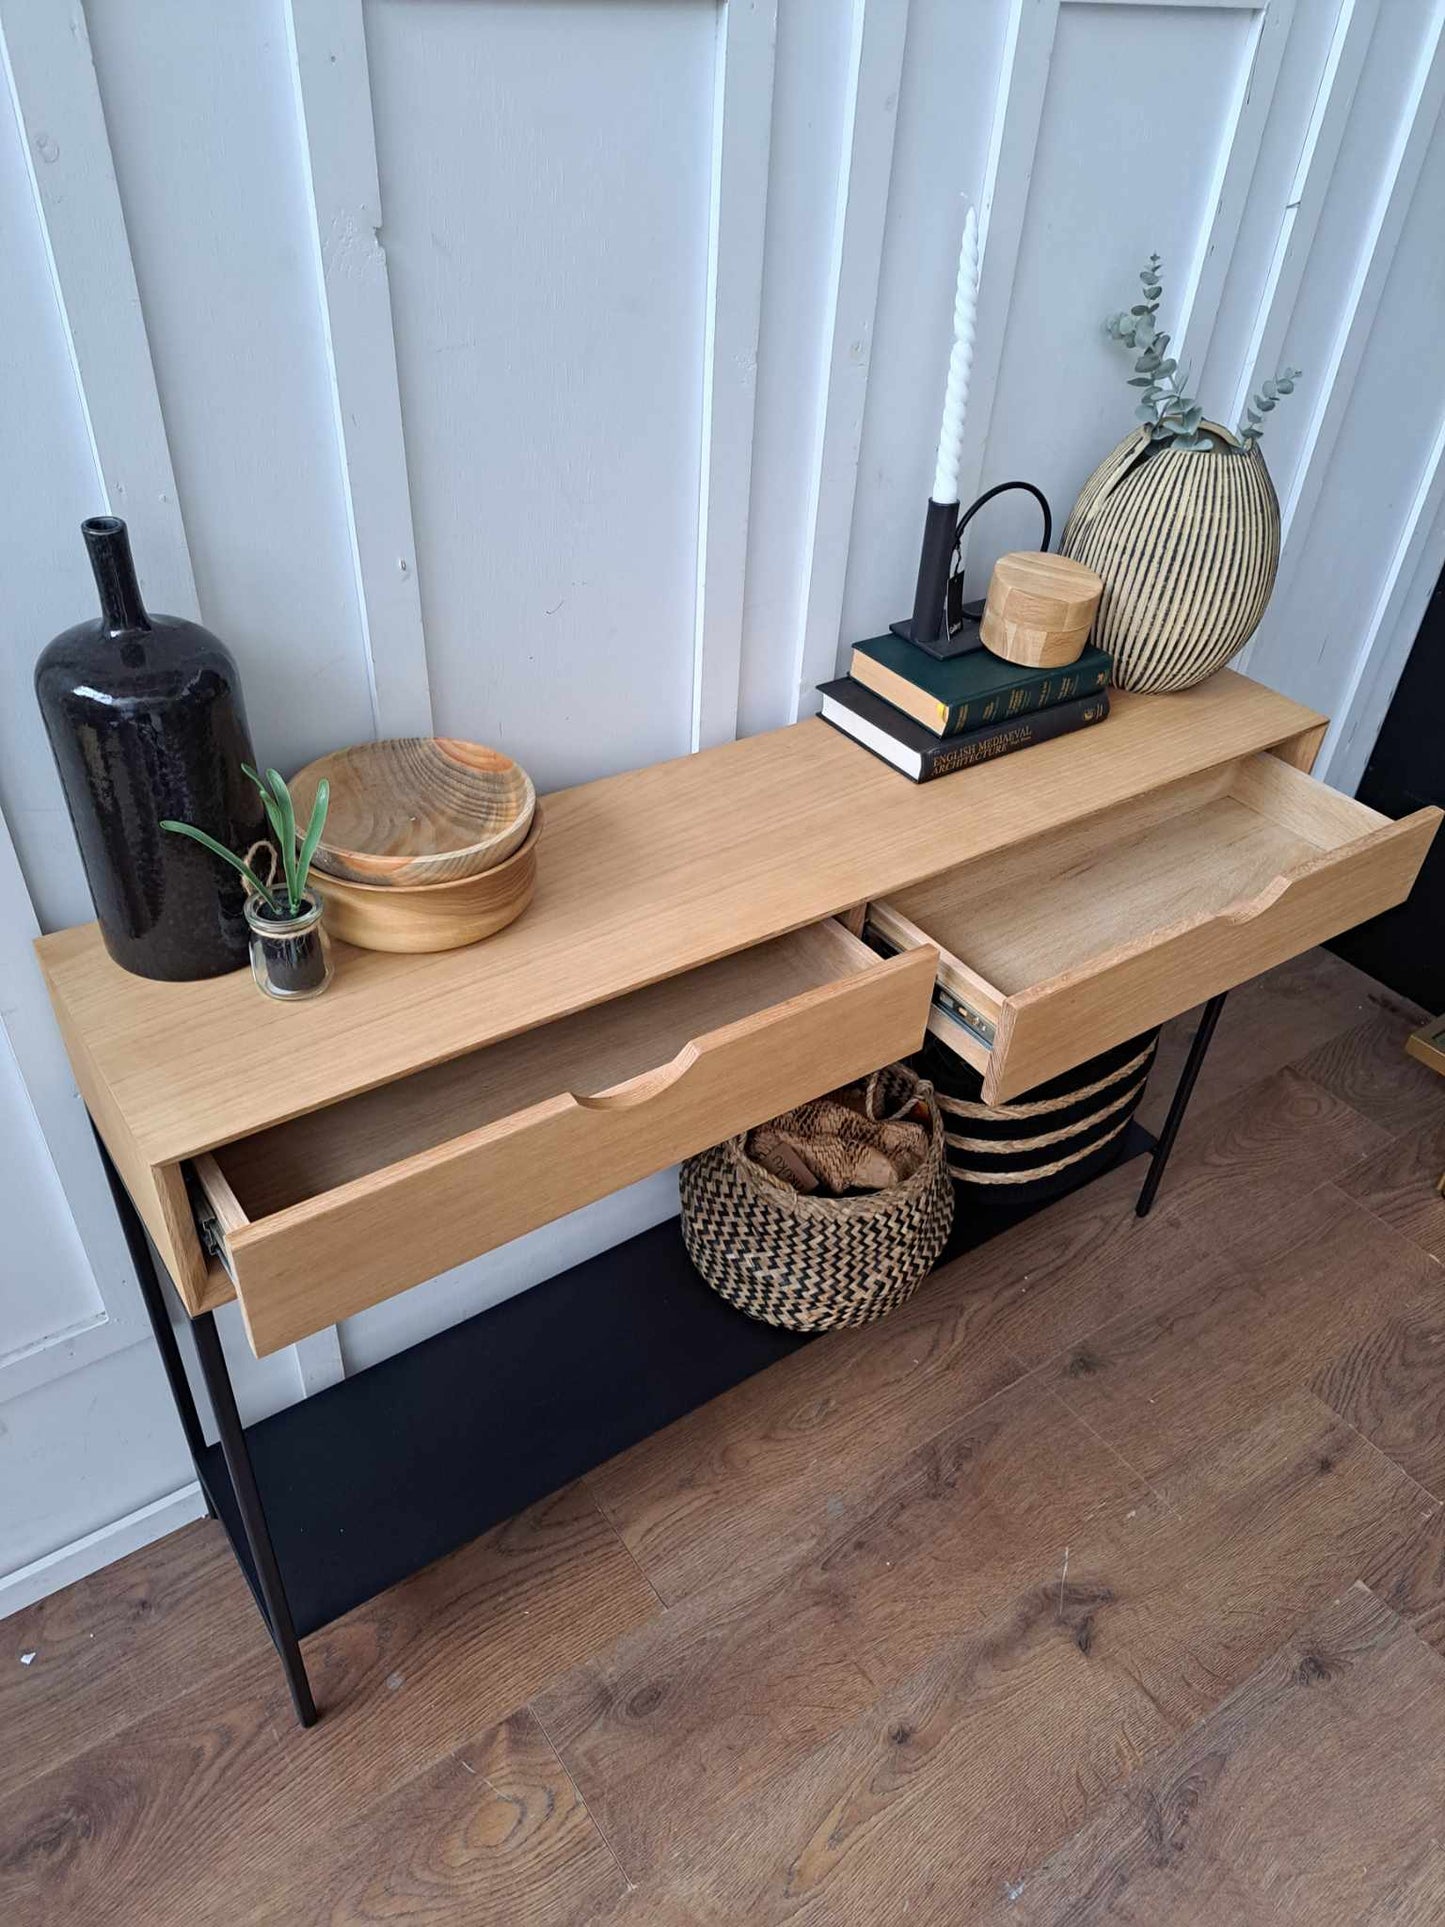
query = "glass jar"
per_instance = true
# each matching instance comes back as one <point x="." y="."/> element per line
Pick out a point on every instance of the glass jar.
<point x="290" y="956"/>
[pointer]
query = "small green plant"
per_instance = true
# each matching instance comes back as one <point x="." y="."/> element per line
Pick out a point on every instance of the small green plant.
<point x="281" y="814"/>
<point x="1170" y="412"/>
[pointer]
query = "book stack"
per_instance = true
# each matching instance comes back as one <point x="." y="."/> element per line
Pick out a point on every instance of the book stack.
<point x="929" y="717"/>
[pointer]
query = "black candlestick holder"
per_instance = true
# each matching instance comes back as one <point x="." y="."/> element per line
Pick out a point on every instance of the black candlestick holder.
<point x="942" y="622"/>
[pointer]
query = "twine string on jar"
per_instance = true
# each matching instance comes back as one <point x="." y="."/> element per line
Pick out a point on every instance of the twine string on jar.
<point x="273" y="864"/>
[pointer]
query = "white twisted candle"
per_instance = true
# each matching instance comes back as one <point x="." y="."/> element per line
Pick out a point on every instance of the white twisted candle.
<point x="960" y="361"/>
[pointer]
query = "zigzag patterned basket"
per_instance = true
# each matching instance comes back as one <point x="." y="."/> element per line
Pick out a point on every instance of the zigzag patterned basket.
<point x="1187" y="544"/>
<point x="811" y="1263"/>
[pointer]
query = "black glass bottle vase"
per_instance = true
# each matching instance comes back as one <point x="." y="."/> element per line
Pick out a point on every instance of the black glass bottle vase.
<point x="144" y="715"/>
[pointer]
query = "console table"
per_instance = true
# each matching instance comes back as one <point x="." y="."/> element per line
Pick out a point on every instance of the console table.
<point x="713" y="940"/>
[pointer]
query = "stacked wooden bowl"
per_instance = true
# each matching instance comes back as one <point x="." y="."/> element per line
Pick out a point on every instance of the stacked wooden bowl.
<point x="430" y="843"/>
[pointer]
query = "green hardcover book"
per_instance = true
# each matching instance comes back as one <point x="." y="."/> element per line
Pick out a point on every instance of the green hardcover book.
<point x="972" y="690"/>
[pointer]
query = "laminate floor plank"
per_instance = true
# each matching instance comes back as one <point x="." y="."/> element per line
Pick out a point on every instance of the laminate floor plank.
<point x="1398" y="1184"/>
<point x="1410" y="1578"/>
<point x="161" y="1821"/>
<point x="770" y="1464"/>
<point x="1243" y="1171"/>
<point x="494" y="1835"/>
<point x="1161" y="1386"/>
<point x="1264" y="1525"/>
<point x="1310" y="1796"/>
<point x="945" y="1790"/>
<point x="1084" y="1261"/>
<point x="998" y="1746"/>
<point x="665" y="1733"/>
<point x="120" y="1644"/>
<point x="1269" y="1022"/>
<point x="1368" y="1069"/>
<point x="1390" y="1385"/>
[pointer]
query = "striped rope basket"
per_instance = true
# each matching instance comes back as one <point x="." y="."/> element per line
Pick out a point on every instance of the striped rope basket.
<point x="1187" y="544"/>
<point x="1046" y="1142"/>
<point x="817" y="1263"/>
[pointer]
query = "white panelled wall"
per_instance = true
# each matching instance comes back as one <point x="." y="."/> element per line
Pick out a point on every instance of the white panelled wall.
<point x="566" y="374"/>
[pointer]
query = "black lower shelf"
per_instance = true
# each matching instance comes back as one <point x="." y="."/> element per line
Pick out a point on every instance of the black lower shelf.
<point x="378" y="1476"/>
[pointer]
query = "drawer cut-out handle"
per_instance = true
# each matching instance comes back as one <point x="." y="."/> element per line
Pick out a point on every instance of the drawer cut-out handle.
<point x="642" y="1088"/>
<point x="1267" y="898"/>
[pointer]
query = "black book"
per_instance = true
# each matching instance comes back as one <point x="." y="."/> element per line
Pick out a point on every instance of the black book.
<point x="855" y="710"/>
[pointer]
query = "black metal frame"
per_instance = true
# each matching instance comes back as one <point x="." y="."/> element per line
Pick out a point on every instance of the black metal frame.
<point x="267" y="1586"/>
<point x="238" y="1504"/>
<point x="1179" y="1104"/>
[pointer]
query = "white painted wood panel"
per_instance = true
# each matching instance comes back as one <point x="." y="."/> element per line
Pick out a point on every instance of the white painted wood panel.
<point x="47" y="1293"/>
<point x="198" y="102"/>
<point x="870" y="114"/>
<point x="1099" y="203"/>
<point x="326" y="42"/>
<point x="741" y="129"/>
<point x="1359" y="549"/>
<point x="953" y="60"/>
<point x="810" y="97"/>
<point x="545" y="169"/>
<point x="1073" y="200"/>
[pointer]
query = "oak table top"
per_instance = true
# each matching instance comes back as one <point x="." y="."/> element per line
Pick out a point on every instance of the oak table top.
<point x="640" y="876"/>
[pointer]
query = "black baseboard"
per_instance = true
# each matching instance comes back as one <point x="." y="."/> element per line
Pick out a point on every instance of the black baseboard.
<point x="378" y="1476"/>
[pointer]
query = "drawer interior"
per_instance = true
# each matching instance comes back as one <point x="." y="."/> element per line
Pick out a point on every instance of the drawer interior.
<point x="1067" y="901"/>
<point x="587" y="1055"/>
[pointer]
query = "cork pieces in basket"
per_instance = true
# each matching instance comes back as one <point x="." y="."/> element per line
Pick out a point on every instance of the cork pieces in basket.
<point x="1040" y="609"/>
<point x="434" y="916"/>
<point x="417" y="810"/>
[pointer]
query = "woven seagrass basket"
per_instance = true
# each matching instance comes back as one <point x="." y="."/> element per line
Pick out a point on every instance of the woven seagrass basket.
<point x="1045" y="1142"/>
<point x="817" y="1263"/>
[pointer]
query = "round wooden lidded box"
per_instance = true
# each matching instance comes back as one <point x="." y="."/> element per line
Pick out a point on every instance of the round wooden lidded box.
<point x="1040" y="609"/>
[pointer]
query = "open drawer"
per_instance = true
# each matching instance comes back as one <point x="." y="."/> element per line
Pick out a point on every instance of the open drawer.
<point x="319" y="1217"/>
<point x="1061" y="947"/>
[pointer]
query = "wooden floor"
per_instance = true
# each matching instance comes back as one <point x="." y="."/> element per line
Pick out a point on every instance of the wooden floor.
<point x="1105" y="1581"/>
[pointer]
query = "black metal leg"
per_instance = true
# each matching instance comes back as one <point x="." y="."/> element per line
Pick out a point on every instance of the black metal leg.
<point x="275" y="1607"/>
<point x="253" y="1516"/>
<point x="153" y="1294"/>
<point x="1183" y="1090"/>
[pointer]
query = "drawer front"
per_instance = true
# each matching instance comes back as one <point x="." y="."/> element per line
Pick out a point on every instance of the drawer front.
<point x="333" y="1255"/>
<point x="1050" y="1028"/>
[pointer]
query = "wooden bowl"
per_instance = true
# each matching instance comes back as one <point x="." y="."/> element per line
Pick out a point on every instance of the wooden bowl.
<point x="417" y="810"/>
<point x="433" y="916"/>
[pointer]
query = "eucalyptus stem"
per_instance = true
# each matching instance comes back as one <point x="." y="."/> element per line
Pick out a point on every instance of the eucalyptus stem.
<point x="1170" y="412"/>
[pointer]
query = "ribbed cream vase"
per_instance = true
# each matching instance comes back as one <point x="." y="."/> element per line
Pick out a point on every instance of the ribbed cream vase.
<point x="1187" y="544"/>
